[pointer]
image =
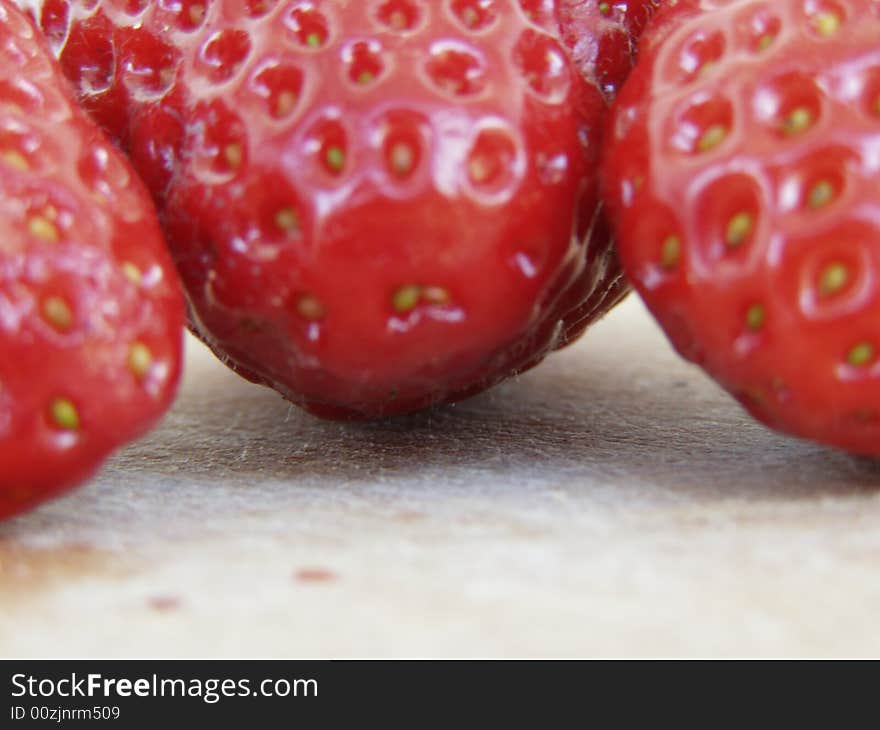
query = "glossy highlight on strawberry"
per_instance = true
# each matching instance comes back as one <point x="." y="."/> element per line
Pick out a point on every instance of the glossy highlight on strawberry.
<point x="91" y="317"/>
<point x="742" y="177"/>
<point x="374" y="206"/>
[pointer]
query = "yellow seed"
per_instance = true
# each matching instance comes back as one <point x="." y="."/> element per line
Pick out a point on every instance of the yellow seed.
<point x="800" y="120"/>
<point x="821" y="194"/>
<point x="670" y="252"/>
<point x="132" y="273"/>
<point x="234" y="155"/>
<point x="57" y="313"/>
<point x="766" y="41"/>
<point x="196" y="13"/>
<point x="43" y="228"/>
<point x="877" y="105"/>
<point x="712" y="137"/>
<point x="15" y="159"/>
<point x="402" y="158"/>
<point x="605" y="8"/>
<point x="140" y="360"/>
<point x="470" y="17"/>
<point x="365" y="77"/>
<point x="755" y="317"/>
<point x="397" y="20"/>
<point x="310" y="307"/>
<point x="284" y="103"/>
<point x="335" y="158"/>
<point x="827" y="24"/>
<point x="406" y="298"/>
<point x="313" y="40"/>
<point x="861" y="354"/>
<point x="479" y="169"/>
<point x="706" y="68"/>
<point x="834" y="278"/>
<point x="287" y="220"/>
<point x="739" y="228"/>
<point x="64" y="414"/>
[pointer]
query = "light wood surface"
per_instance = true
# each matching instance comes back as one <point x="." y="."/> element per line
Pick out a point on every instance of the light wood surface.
<point x="611" y="502"/>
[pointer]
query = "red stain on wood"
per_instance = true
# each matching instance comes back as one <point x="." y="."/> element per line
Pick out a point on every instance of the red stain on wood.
<point x="314" y="575"/>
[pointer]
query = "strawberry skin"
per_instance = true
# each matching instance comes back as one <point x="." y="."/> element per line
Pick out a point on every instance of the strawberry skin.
<point x="91" y="317"/>
<point x="374" y="206"/>
<point x="602" y="37"/>
<point x="742" y="174"/>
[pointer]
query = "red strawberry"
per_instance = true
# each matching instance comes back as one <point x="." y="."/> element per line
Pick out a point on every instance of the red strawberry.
<point x="742" y="174"/>
<point x="602" y="36"/>
<point x="90" y="313"/>
<point x="377" y="205"/>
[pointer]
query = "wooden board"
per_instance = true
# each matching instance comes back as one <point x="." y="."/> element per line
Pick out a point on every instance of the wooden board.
<point x="611" y="502"/>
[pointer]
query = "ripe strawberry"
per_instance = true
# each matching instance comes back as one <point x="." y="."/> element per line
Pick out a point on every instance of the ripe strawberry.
<point x="602" y="37"/>
<point x="742" y="174"/>
<point x="90" y="312"/>
<point x="377" y="205"/>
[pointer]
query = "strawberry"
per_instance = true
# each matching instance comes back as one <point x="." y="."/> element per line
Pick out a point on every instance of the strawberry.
<point x="374" y="206"/>
<point x="602" y="37"/>
<point x="91" y="316"/>
<point x="742" y="172"/>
